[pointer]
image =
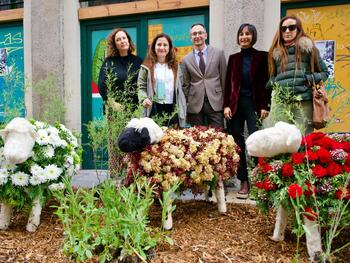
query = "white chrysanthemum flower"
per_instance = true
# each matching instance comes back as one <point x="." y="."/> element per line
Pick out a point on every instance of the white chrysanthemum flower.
<point x="52" y="171"/>
<point x="35" y="180"/>
<point x="43" y="137"/>
<point x="49" y="151"/>
<point x="9" y="166"/>
<point x="36" y="169"/>
<point x="63" y="144"/>
<point x="70" y="171"/>
<point x="39" y="124"/>
<point x="69" y="161"/>
<point x="55" y="187"/>
<point x="3" y="176"/>
<point x="20" y="179"/>
<point x="54" y="140"/>
<point x="53" y="130"/>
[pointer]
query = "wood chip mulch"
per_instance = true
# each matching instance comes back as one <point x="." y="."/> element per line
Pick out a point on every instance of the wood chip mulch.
<point x="200" y="234"/>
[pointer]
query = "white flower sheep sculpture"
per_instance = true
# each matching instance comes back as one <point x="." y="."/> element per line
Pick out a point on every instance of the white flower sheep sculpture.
<point x="270" y="142"/>
<point x="34" y="158"/>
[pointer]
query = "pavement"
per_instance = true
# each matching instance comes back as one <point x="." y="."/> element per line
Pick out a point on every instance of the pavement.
<point x="91" y="178"/>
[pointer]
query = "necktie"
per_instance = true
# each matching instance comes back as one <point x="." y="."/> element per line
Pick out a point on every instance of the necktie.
<point x="201" y="62"/>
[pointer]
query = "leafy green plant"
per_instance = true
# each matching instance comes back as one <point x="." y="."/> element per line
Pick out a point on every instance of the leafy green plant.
<point x="106" y="221"/>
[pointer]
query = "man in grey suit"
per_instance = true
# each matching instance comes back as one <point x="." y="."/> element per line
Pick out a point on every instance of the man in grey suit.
<point x="204" y="70"/>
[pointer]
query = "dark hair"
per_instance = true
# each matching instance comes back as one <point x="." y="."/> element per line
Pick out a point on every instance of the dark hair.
<point x="170" y="57"/>
<point x="112" y="50"/>
<point x="198" y="24"/>
<point x="251" y="29"/>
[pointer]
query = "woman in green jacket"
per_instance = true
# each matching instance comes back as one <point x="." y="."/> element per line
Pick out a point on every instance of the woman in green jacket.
<point x="160" y="82"/>
<point x="294" y="63"/>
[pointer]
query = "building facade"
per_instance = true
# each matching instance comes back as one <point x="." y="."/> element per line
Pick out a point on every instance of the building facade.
<point x="66" y="38"/>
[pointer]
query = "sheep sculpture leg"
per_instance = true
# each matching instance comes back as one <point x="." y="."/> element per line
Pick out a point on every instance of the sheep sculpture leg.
<point x="5" y="216"/>
<point x="220" y="197"/>
<point x="313" y="239"/>
<point x="280" y="225"/>
<point x="34" y="216"/>
<point x="168" y="223"/>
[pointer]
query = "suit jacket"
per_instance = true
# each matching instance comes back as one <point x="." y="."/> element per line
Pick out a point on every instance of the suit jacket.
<point x="195" y="84"/>
<point x="258" y="76"/>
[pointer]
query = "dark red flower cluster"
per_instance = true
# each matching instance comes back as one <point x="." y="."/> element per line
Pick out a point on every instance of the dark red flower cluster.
<point x="340" y="194"/>
<point x="268" y="186"/>
<point x="310" y="214"/>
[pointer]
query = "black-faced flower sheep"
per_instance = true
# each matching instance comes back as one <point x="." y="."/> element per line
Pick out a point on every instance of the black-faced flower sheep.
<point x="193" y="158"/>
<point x="34" y="158"/>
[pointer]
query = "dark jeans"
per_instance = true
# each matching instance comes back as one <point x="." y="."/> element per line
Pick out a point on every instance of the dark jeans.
<point x="162" y="109"/>
<point x="245" y="113"/>
<point x="207" y="116"/>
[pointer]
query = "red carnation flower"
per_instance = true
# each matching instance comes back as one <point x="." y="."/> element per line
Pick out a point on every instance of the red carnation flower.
<point x="346" y="146"/>
<point x="334" y="169"/>
<point x="326" y="143"/>
<point x="265" y="167"/>
<point x="336" y="145"/>
<point x="339" y="194"/>
<point x="319" y="171"/>
<point x="311" y="155"/>
<point x="346" y="168"/>
<point x="261" y="160"/>
<point x="324" y="155"/>
<point x="294" y="191"/>
<point x="310" y="214"/>
<point x="267" y="185"/>
<point x="310" y="189"/>
<point x="287" y="170"/>
<point x="306" y="141"/>
<point x="260" y="185"/>
<point x="347" y="162"/>
<point x="298" y="158"/>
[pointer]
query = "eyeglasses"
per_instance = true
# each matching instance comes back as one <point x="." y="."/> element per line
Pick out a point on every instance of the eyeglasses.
<point x="199" y="33"/>
<point x="290" y="27"/>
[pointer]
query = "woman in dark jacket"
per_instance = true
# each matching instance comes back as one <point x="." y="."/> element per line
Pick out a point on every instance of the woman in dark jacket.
<point x="293" y="61"/>
<point x="122" y="67"/>
<point x="246" y="98"/>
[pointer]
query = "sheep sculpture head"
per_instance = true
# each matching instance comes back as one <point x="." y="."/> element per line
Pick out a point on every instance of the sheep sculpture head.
<point x="19" y="138"/>
<point x="281" y="138"/>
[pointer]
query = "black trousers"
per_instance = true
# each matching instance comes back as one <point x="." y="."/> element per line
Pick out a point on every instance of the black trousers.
<point x="159" y="109"/>
<point x="245" y="113"/>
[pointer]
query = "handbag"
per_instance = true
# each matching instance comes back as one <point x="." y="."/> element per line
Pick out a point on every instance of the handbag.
<point x="320" y="115"/>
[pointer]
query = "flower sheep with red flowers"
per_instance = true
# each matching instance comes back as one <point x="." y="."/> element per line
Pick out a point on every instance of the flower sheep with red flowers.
<point x="312" y="182"/>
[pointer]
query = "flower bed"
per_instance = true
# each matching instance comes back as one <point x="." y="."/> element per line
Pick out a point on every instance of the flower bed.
<point x="315" y="176"/>
<point x="193" y="157"/>
<point x="55" y="154"/>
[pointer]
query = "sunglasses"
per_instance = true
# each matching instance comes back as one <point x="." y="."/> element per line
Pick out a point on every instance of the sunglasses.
<point x="290" y="27"/>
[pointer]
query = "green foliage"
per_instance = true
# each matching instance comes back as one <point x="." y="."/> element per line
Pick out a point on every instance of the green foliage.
<point x="286" y="107"/>
<point x="98" y="140"/>
<point x="115" y="223"/>
<point x="52" y="103"/>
